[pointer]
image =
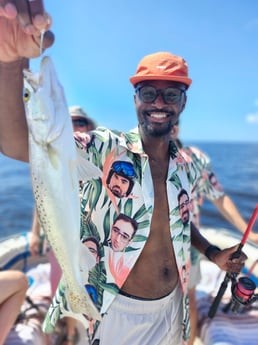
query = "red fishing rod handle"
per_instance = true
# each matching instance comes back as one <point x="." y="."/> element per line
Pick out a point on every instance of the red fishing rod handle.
<point x="246" y="233"/>
<point x="250" y="225"/>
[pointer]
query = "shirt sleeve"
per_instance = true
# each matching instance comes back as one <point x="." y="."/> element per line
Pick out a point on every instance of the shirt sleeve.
<point x="207" y="185"/>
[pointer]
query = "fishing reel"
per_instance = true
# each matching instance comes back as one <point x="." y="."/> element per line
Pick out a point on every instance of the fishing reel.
<point x="242" y="294"/>
<point x="243" y="289"/>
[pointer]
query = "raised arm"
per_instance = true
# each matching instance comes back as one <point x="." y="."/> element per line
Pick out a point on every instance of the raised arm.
<point x="21" y="23"/>
<point x="230" y="212"/>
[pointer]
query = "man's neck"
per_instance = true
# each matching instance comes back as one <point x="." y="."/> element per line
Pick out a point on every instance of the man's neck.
<point x="157" y="148"/>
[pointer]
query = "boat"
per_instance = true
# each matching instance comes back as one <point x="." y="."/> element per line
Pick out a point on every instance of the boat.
<point x="234" y="328"/>
<point x="15" y="254"/>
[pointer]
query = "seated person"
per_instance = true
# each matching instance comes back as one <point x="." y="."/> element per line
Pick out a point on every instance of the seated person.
<point x="13" y="287"/>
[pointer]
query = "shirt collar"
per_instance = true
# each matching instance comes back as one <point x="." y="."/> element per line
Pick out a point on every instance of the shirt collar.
<point x="133" y="143"/>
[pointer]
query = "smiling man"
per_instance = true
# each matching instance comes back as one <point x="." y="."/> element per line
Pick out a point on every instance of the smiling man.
<point x="160" y="82"/>
<point x="150" y="305"/>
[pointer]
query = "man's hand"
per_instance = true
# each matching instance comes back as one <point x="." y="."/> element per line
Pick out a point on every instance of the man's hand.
<point x="223" y="259"/>
<point x="82" y="139"/>
<point x="21" y="24"/>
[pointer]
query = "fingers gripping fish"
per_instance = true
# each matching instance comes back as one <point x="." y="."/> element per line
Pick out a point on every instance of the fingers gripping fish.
<point x="55" y="182"/>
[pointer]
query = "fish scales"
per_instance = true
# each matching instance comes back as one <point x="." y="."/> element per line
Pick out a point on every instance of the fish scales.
<point x="52" y="156"/>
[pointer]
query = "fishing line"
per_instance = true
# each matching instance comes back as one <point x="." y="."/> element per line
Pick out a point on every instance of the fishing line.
<point x="42" y="33"/>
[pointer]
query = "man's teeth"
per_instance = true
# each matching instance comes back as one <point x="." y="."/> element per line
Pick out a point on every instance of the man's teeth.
<point x="158" y="115"/>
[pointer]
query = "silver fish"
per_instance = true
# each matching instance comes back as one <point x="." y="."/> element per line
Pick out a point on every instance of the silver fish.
<point x="55" y="184"/>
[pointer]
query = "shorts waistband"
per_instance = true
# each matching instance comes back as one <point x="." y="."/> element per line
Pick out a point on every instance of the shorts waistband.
<point x="137" y="305"/>
<point x="123" y="293"/>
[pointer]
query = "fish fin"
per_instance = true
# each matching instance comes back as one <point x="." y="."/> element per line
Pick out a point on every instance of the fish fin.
<point x="87" y="169"/>
<point x="53" y="156"/>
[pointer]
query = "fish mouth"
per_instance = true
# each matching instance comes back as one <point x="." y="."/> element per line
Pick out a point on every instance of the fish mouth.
<point x="32" y="79"/>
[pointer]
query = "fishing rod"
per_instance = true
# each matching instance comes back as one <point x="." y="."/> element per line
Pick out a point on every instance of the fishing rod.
<point x="245" y="286"/>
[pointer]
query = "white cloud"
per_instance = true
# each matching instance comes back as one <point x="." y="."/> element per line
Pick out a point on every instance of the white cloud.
<point x="252" y="118"/>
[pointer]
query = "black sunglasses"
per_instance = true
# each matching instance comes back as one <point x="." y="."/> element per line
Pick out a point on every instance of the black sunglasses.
<point x="170" y="95"/>
<point x="80" y="122"/>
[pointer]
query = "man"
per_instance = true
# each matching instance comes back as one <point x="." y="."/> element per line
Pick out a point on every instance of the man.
<point x="209" y="187"/>
<point x="155" y="310"/>
<point x="82" y="123"/>
<point x="80" y="120"/>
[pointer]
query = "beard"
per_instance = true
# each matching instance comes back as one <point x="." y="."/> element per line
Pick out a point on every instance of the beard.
<point x="159" y="130"/>
<point x="117" y="191"/>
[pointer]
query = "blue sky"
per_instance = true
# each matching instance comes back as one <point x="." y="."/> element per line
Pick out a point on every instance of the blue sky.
<point x="99" y="44"/>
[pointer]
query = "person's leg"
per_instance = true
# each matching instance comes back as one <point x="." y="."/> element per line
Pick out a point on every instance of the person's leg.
<point x="13" y="286"/>
<point x="55" y="276"/>
<point x="193" y="315"/>
<point x="55" y="272"/>
<point x="71" y="335"/>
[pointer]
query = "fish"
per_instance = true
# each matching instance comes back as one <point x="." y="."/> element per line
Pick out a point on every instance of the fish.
<point x="55" y="182"/>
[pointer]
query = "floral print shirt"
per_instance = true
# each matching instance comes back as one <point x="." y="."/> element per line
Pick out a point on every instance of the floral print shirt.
<point x="117" y="200"/>
<point x="207" y="186"/>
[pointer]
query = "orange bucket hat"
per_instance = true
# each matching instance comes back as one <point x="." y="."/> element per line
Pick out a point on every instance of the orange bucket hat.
<point x="162" y="66"/>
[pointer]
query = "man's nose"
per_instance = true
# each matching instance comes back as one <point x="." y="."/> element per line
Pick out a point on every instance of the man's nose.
<point x="159" y="102"/>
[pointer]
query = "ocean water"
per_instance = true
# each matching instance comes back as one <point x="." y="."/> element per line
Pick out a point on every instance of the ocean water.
<point x="235" y="164"/>
<point x="236" y="167"/>
<point x="16" y="198"/>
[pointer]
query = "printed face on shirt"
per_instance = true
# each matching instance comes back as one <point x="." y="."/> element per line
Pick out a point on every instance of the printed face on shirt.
<point x="215" y="182"/>
<point x="183" y="204"/>
<point x="92" y="245"/>
<point x="121" y="234"/>
<point x="120" y="180"/>
<point x="119" y="185"/>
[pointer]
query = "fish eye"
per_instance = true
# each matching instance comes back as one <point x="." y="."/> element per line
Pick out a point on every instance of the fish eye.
<point x="26" y="95"/>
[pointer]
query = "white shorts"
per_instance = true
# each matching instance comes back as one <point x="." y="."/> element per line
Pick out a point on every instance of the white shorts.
<point x="132" y="321"/>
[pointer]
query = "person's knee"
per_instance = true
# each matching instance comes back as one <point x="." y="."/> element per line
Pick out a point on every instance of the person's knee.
<point x="22" y="281"/>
